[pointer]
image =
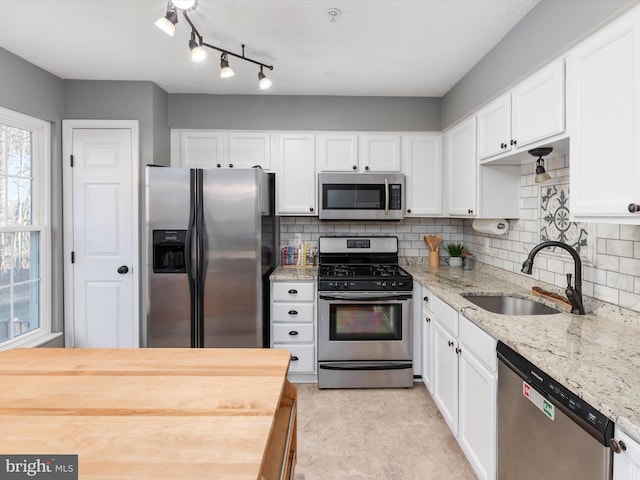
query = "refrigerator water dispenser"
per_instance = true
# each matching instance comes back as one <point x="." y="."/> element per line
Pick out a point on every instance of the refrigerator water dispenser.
<point x="168" y="251"/>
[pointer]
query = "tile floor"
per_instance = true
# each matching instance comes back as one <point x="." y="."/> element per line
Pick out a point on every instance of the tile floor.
<point x="381" y="434"/>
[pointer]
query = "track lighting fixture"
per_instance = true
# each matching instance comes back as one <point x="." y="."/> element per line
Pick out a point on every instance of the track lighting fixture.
<point x="196" y="44"/>
<point x="541" y="173"/>
<point x="168" y="23"/>
<point x="225" y="70"/>
<point x="263" y="81"/>
<point x="198" y="53"/>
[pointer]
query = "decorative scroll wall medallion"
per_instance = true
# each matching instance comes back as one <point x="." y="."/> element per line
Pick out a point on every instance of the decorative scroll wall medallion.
<point x="556" y="225"/>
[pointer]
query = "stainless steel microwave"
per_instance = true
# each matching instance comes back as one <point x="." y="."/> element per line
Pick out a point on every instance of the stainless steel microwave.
<point x="361" y="196"/>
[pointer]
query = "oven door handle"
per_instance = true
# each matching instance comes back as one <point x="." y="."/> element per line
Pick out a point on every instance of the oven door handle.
<point x="370" y="366"/>
<point x="381" y="298"/>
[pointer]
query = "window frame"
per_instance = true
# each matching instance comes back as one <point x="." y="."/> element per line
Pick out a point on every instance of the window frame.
<point x="40" y="220"/>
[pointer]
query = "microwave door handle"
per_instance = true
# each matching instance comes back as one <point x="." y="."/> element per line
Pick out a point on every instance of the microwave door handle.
<point x="386" y="196"/>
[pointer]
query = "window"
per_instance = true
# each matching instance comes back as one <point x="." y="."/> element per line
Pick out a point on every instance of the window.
<point x="25" y="305"/>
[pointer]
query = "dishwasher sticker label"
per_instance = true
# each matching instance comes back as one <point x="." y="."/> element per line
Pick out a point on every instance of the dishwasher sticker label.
<point x="539" y="401"/>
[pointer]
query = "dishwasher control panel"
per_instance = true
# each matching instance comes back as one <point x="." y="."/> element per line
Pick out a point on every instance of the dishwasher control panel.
<point x="592" y="420"/>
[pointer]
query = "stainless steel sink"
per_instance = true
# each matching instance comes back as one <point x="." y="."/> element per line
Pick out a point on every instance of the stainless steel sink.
<point x="509" y="305"/>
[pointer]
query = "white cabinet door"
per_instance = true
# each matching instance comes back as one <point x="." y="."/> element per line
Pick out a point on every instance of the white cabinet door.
<point x="380" y="152"/>
<point x="461" y="171"/>
<point x="201" y="148"/>
<point x="477" y="414"/>
<point x="337" y="152"/>
<point x="422" y="164"/>
<point x="626" y="465"/>
<point x="604" y="101"/>
<point x="537" y="106"/>
<point x="494" y="127"/>
<point x="445" y="375"/>
<point x="296" y="174"/>
<point x="248" y="149"/>
<point x="427" y="348"/>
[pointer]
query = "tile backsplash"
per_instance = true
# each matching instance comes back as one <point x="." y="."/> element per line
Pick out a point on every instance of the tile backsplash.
<point x="611" y="253"/>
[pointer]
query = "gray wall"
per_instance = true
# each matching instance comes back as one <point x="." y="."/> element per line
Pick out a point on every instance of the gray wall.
<point x="30" y="90"/>
<point x="545" y="32"/>
<point x="257" y="112"/>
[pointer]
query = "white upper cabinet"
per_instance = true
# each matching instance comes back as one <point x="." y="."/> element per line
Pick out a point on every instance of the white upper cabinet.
<point x="422" y="165"/>
<point x="532" y="112"/>
<point x="337" y="152"/>
<point x="220" y="149"/>
<point x="296" y="174"/>
<point x="200" y="148"/>
<point x="379" y="152"/>
<point x="248" y="149"/>
<point x="461" y="169"/>
<point x="494" y="127"/>
<point x="604" y="112"/>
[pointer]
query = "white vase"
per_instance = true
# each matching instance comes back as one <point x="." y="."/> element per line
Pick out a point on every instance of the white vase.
<point x="455" y="261"/>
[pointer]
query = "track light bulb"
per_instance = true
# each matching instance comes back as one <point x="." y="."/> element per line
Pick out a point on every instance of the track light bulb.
<point x="225" y="70"/>
<point x="263" y="81"/>
<point x="168" y="23"/>
<point x="184" y="4"/>
<point x="198" y="53"/>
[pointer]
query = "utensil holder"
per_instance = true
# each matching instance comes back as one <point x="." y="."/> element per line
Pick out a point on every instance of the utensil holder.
<point x="434" y="260"/>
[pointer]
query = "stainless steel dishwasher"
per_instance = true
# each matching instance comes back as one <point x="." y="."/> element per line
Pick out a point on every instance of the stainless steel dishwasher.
<point x="544" y="430"/>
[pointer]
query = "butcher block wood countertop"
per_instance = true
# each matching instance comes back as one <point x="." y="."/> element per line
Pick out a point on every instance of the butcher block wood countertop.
<point x="151" y="413"/>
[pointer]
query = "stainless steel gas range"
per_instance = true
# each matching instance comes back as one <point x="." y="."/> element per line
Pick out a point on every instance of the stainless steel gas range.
<point x="364" y="314"/>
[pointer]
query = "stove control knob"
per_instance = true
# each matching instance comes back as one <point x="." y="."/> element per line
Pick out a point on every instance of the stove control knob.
<point x="383" y="284"/>
<point x="346" y="284"/>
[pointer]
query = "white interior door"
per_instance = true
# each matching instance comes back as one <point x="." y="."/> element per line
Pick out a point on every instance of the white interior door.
<point x="101" y="236"/>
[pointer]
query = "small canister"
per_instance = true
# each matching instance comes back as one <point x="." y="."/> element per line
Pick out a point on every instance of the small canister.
<point x="468" y="262"/>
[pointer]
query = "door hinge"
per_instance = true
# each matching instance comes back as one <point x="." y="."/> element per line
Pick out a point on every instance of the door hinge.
<point x="71" y="160"/>
<point x="73" y="257"/>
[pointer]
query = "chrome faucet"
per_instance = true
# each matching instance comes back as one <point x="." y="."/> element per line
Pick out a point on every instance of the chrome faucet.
<point x="574" y="294"/>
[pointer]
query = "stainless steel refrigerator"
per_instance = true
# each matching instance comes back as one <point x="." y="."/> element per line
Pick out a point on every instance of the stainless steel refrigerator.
<point x="212" y="237"/>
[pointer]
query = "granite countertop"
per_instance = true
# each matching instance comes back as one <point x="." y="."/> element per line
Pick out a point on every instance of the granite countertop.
<point x="597" y="355"/>
<point x="294" y="273"/>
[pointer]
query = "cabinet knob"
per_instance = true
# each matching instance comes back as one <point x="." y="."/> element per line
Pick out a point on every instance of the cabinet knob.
<point x="293" y="332"/>
<point x="618" y="446"/>
<point x="470" y="211"/>
<point x="427" y="319"/>
<point x="218" y="165"/>
<point x="425" y="299"/>
<point x="450" y="343"/>
<point x="366" y="168"/>
<point x="231" y="165"/>
<point x="408" y="210"/>
<point x="293" y="291"/>
<point x="634" y="208"/>
<point x="311" y="209"/>
<point x="294" y="358"/>
<point x="292" y="312"/>
<point x="354" y="167"/>
<point x="458" y="350"/>
<point x="513" y="142"/>
<point x="503" y="146"/>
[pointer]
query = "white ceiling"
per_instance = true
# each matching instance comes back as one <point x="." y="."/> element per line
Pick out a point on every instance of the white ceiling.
<point x="376" y="47"/>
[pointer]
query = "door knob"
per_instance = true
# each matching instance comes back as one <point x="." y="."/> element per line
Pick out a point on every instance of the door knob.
<point x="123" y="269"/>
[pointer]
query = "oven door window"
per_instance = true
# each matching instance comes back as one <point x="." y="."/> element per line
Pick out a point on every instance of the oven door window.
<point x="365" y="322"/>
<point x="353" y="197"/>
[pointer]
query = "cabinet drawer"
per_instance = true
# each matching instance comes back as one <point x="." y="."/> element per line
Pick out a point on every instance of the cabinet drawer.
<point x="293" y="312"/>
<point x="479" y="342"/>
<point x="303" y="357"/>
<point x="294" y="291"/>
<point x="293" y="333"/>
<point x="446" y="315"/>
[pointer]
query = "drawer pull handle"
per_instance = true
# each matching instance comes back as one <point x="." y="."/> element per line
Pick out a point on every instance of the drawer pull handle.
<point x="293" y="312"/>
<point x="294" y="358"/>
<point x="293" y="291"/>
<point x="293" y="332"/>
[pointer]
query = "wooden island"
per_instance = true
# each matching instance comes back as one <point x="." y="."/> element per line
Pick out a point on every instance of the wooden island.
<point x="152" y="413"/>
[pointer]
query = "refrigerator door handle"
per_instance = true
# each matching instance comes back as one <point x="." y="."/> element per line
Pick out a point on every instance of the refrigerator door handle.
<point x="191" y="274"/>
<point x="200" y="258"/>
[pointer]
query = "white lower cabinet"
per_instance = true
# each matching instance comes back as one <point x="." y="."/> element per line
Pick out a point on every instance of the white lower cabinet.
<point x="426" y="330"/>
<point x="626" y="464"/>
<point x="293" y="326"/>
<point x="464" y="385"/>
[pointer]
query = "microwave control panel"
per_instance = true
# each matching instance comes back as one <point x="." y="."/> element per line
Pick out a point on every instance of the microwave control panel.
<point x="395" y="197"/>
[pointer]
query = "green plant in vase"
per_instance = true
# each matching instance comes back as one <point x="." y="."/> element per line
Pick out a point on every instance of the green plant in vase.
<point x="455" y="254"/>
